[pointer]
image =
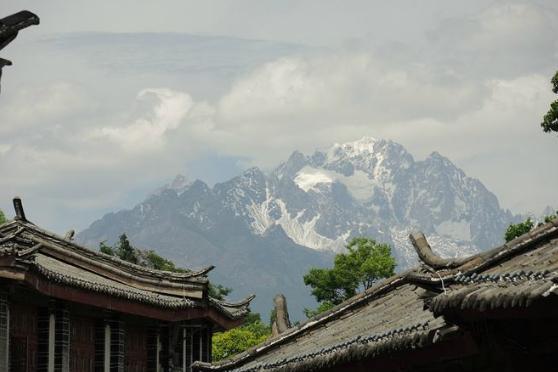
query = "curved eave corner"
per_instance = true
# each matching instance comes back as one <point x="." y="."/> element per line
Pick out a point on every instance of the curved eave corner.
<point x="235" y="311"/>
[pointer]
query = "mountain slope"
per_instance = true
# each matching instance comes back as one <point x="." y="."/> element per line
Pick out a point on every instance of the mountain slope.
<point x="264" y="231"/>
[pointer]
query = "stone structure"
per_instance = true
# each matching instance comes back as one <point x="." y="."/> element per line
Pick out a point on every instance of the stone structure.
<point x="495" y="311"/>
<point x="66" y="308"/>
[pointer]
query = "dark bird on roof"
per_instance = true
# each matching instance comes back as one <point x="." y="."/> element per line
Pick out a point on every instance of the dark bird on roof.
<point x="10" y="27"/>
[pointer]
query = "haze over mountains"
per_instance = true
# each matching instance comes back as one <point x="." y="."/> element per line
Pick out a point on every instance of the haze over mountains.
<point x="264" y="231"/>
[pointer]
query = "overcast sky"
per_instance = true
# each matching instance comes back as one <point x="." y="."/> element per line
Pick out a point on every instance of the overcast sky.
<point x="107" y="100"/>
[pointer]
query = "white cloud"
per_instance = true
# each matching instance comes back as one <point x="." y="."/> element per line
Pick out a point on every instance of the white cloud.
<point x="505" y="39"/>
<point x="33" y="106"/>
<point x="164" y="111"/>
<point x="475" y="91"/>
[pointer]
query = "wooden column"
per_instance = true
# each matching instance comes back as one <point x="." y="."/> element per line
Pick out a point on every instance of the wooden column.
<point x="188" y="346"/>
<point x="207" y="336"/>
<point x="107" y="333"/>
<point x="4" y="333"/>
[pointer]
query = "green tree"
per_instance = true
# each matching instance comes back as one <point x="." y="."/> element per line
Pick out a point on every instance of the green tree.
<point x="517" y="229"/>
<point x="3" y="219"/>
<point x="218" y="292"/>
<point x="365" y="262"/>
<point x="125" y="251"/>
<point x="550" y="120"/>
<point x="105" y="248"/>
<point x="154" y="261"/>
<point x="551" y="218"/>
<point x="237" y="340"/>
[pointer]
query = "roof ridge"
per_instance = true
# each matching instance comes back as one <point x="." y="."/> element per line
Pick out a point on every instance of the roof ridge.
<point x="191" y="274"/>
<point x="240" y="303"/>
<point x="241" y="307"/>
<point x="150" y="297"/>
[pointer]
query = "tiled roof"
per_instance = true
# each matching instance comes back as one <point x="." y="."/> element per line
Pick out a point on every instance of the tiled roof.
<point x="404" y="312"/>
<point x="59" y="260"/>
<point x="60" y="272"/>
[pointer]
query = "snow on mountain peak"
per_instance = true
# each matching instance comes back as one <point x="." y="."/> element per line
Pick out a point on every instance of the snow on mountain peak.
<point x="365" y="145"/>
<point x="309" y="179"/>
<point x="359" y="185"/>
<point x="369" y="187"/>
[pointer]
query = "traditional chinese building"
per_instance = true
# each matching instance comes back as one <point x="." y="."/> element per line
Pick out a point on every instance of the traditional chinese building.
<point x="495" y="311"/>
<point x="65" y="308"/>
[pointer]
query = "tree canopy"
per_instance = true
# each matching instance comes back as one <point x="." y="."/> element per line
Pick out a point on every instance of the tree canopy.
<point x="2" y="218"/>
<point x="125" y="251"/>
<point x="517" y="229"/>
<point x="252" y="333"/>
<point x="550" y="120"/>
<point x="364" y="263"/>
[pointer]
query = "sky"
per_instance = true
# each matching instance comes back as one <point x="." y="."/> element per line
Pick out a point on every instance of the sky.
<point x="107" y="101"/>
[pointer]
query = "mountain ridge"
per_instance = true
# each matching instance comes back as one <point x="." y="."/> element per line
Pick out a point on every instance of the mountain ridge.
<point x="265" y="230"/>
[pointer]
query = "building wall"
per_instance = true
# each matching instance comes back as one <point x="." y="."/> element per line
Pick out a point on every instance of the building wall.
<point x="45" y="335"/>
<point x="82" y="343"/>
<point x="23" y="337"/>
<point x="136" y="348"/>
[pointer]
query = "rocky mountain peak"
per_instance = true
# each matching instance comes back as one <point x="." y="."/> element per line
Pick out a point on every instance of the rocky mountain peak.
<point x="179" y="184"/>
<point x="369" y="187"/>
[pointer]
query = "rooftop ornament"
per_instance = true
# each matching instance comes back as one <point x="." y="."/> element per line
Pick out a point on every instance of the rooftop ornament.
<point x="19" y="212"/>
<point x="431" y="259"/>
<point x="9" y="29"/>
<point x="281" y="323"/>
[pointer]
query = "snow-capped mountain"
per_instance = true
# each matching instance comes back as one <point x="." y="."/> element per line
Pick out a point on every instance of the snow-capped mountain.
<point x="263" y="231"/>
<point x="374" y="188"/>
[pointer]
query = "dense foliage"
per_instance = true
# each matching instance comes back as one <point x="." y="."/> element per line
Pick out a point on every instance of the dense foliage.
<point x="2" y="218"/>
<point x="550" y="120"/>
<point x="252" y="333"/>
<point x="517" y="229"/>
<point x="365" y="262"/>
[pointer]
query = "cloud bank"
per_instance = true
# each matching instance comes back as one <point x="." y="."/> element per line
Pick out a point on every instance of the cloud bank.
<point x="474" y="90"/>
